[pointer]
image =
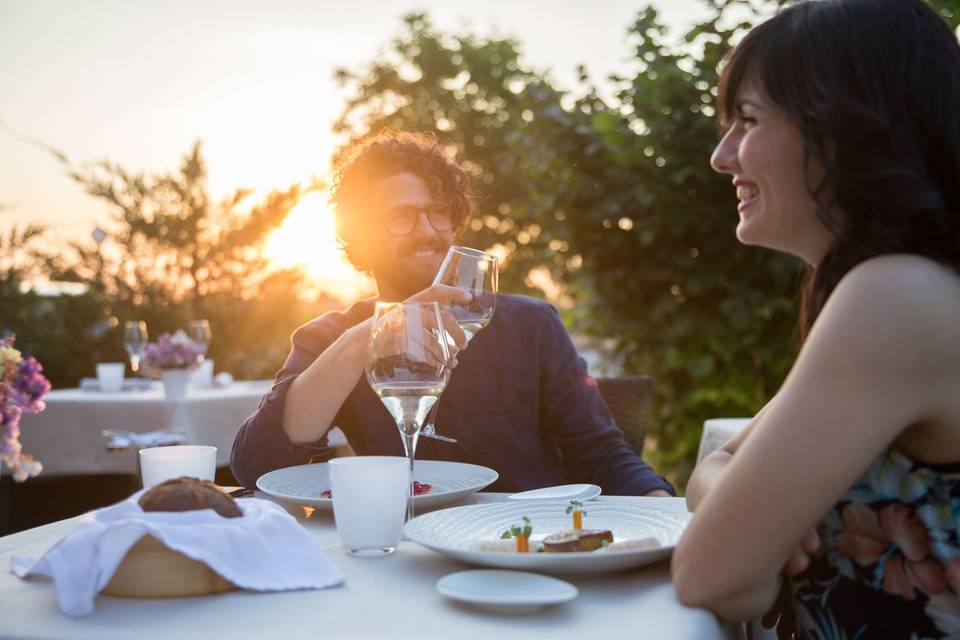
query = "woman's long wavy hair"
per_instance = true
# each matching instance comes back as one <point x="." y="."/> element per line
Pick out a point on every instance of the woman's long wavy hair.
<point x="874" y="86"/>
<point x="383" y="154"/>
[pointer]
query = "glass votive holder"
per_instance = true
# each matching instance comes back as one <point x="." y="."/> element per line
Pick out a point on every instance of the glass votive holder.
<point x="159" y="464"/>
<point x="110" y="376"/>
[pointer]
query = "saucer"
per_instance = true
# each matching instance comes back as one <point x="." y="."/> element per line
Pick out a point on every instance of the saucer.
<point x="508" y="591"/>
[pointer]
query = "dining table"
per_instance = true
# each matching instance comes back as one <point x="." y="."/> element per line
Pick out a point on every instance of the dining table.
<point x="68" y="435"/>
<point x="382" y="597"/>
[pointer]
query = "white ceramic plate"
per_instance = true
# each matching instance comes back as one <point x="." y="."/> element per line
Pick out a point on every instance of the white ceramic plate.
<point x="506" y="590"/>
<point x="451" y="481"/>
<point x="580" y="492"/>
<point x="458" y="532"/>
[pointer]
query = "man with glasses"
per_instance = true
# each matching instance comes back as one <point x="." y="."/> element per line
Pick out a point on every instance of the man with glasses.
<point x="520" y="400"/>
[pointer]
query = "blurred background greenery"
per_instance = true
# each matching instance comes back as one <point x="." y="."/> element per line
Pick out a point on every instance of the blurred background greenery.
<point x="604" y="203"/>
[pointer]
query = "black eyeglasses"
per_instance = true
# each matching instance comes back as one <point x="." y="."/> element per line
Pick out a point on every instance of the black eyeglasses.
<point x="400" y="221"/>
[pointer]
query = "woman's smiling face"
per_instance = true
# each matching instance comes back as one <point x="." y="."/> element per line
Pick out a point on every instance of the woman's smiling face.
<point x="763" y="152"/>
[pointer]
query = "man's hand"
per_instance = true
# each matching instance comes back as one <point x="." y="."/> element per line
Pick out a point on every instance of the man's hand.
<point x="446" y="295"/>
<point x="658" y="493"/>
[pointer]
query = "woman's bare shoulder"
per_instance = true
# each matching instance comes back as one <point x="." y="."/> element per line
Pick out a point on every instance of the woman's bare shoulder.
<point x="901" y="290"/>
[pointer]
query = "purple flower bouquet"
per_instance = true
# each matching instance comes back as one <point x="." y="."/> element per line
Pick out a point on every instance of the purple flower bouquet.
<point x="175" y="351"/>
<point x="22" y="388"/>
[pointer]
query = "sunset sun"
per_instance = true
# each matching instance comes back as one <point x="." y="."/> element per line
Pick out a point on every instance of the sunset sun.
<point x="307" y="238"/>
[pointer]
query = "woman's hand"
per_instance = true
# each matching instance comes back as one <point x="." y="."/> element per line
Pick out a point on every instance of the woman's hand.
<point x="780" y="615"/>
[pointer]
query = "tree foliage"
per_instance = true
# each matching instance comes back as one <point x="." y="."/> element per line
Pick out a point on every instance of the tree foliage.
<point x="167" y="254"/>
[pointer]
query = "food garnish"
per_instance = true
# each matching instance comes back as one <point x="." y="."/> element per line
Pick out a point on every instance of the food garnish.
<point x="576" y="508"/>
<point x="636" y="544"/>
<point x="521" y="534"/>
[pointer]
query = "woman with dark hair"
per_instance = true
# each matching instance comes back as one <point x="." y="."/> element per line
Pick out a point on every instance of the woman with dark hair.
<point x="842" y="136"/>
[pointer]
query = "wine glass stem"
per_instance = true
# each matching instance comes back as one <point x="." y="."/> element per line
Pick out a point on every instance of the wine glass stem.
<point x="410" y="446"/>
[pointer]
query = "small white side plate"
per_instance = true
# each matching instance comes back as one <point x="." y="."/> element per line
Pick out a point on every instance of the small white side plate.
<point x="562" y="492"/>
<point x="514" y="591"/>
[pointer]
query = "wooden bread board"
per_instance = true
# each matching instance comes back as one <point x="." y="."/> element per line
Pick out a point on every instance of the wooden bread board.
<point x="152" y="570"/>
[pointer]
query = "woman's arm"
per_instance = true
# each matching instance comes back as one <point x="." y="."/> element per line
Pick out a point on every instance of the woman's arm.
<point x="710" y="470"/>
<point x="875" y="363"/>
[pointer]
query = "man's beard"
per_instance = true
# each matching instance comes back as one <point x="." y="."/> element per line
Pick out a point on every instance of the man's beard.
<point x="404" y="280"/>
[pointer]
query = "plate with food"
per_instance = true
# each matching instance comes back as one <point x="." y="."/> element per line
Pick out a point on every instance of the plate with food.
<point x="436" y="482"/>
<point x="555" y="537"/>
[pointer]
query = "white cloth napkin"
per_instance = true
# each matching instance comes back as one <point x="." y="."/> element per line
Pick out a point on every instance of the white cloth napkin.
<point x="265" y="550"/>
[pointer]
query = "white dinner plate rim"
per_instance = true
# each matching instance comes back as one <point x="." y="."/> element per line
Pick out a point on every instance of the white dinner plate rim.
<point x="428" y="500"/>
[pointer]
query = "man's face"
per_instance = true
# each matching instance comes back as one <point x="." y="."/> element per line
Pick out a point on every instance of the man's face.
<point x="406" y="249"/>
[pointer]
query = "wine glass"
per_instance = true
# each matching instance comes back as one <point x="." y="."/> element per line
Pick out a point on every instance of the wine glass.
<point x="201" y="334"/>
<point x="408" y="366"/>
<point x="134" y="339"/>
<point x="474" y="271"/>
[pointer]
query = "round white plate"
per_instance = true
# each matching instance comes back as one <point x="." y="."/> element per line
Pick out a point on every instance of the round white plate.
<point x="458" y="532"/>
<point x="507" y="590"/>
<point x="451" y="481"/>
<point x="563" y="492"/>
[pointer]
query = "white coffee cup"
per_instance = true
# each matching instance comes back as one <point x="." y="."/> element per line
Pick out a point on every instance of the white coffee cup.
<point x="369" y="502"/>
<point x="158" y="464"/>
<point x="110" y="376"/>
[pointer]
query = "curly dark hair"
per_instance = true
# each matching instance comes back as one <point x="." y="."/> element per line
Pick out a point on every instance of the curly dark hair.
<point x="874" y="86"/>
<point x="384" y="154"/>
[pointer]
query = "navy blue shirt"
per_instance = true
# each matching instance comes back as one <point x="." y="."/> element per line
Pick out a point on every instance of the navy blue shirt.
<point x="520" y="402"/>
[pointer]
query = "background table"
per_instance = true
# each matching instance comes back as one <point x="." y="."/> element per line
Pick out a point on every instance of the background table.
<point x="391" y="597"/>
<point x="67" y="438"/>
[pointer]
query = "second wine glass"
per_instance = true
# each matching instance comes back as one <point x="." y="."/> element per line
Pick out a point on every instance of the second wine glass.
<point x="407" y="366"/>
<point x="474" y="271"/>
<point x="477" y="272"/>
<point x="134" y="339"/>
<point x="201" y="334"/>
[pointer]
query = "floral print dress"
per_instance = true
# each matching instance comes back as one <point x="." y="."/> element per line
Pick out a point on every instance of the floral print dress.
<point x="889" y="564"/>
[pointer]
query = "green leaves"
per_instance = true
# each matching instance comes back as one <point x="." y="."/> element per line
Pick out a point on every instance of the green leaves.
<point x="515" y="531"/>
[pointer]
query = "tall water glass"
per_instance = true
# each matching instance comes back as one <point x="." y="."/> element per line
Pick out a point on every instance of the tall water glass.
<point x="477" y="272"/>
<point x="134" y="339"/>
<point x="407" y="366"/>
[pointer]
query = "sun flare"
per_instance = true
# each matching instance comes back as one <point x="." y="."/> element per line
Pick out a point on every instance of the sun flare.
<point x="307" y="238"/>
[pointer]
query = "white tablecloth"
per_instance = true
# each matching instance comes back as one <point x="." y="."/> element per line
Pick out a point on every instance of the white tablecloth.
<point x="67" y="438"/>
<point x="391" y="597"/>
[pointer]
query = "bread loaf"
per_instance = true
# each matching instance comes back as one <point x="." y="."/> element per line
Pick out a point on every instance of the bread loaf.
<point x="188" y="494"/>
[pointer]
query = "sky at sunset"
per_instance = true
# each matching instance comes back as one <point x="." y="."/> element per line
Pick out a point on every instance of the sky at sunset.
<point x="138" y="82"/>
